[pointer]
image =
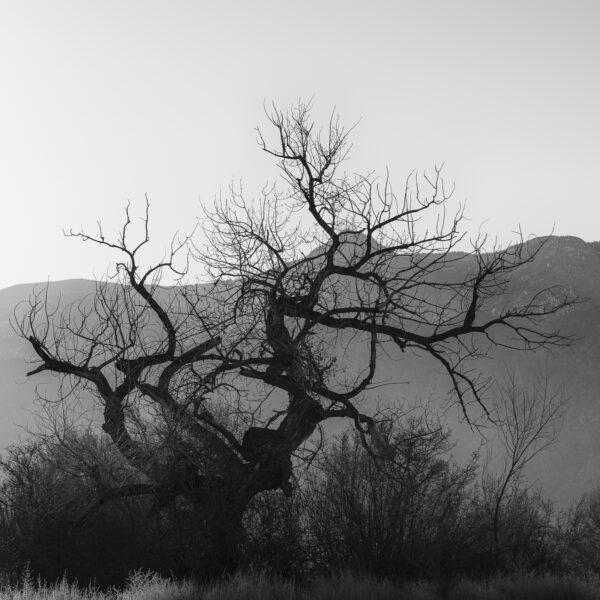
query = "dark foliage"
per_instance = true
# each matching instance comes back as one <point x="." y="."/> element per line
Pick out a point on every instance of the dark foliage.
<point x="415" y="516"/>
<point x="52" y="525"/>
<point x="407" y="516"/>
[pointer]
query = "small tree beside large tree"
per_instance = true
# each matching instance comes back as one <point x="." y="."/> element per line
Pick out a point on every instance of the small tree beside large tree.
<point x="184" y="374"/>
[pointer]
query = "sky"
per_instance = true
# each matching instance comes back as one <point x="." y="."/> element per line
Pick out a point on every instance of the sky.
<point x="104" y="102"/>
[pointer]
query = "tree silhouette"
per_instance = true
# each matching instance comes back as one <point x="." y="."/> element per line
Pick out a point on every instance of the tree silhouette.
<point x="184" y="374"/>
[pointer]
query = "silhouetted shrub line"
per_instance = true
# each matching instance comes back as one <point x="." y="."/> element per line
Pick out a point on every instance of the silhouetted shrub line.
<point x="418" y="517"/>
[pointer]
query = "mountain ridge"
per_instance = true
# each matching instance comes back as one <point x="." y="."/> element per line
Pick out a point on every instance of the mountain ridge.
<point x="569" y="468"/>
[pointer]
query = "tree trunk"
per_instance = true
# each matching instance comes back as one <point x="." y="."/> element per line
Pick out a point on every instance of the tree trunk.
<point x="215" y="535"/>
<point x="223" y="537"/>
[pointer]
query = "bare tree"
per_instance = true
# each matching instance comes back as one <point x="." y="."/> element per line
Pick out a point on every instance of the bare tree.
<point x="184" y="374"/>
<point x="407" y="520"/>
<point x="527" y="422"/>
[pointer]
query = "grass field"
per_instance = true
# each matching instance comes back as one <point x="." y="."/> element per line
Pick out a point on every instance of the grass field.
<point x="143" y="586"/>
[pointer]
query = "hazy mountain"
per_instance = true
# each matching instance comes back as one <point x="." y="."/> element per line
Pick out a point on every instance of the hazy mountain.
<point x="569" y="468"/>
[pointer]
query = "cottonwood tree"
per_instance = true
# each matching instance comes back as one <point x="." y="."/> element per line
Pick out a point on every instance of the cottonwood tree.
<point x="184" y="374"/>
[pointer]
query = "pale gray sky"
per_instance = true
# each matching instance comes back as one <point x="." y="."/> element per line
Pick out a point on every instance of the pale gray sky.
<point x="104" y="101"/>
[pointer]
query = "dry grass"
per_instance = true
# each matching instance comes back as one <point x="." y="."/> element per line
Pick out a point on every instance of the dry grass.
<point x="148" y="586"/>
<point x="528" y="588"/>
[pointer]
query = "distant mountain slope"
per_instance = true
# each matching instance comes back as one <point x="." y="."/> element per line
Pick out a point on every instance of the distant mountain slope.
<point x="571" y="467"/>
<point x="17" y="392"/>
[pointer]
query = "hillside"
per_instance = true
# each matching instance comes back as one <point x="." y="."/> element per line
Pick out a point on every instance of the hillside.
<point x="569" y="468"/>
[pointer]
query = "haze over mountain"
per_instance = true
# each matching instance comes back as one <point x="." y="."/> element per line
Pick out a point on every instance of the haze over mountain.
<point x="567" y="469"/>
